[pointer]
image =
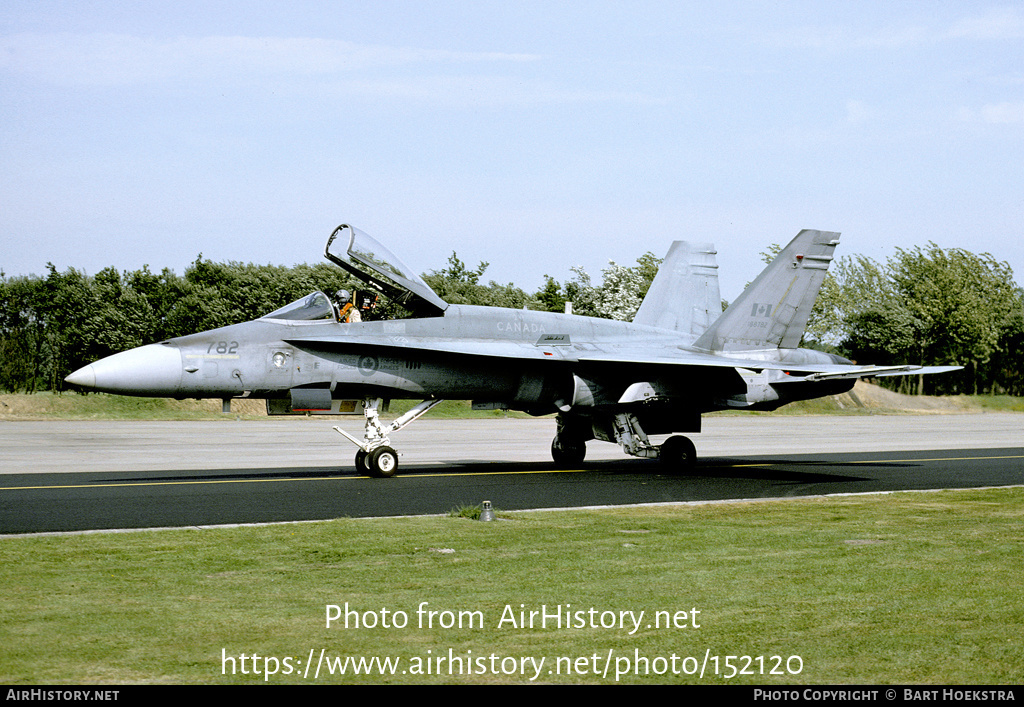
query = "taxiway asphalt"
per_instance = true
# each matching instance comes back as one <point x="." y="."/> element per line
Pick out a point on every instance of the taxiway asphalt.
<point x="71" y="476"/>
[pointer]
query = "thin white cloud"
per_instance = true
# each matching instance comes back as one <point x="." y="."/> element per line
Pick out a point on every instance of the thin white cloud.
<point x="998" y="23"/>
<point x="895" y="37"/>
<point x="113" y="59"/>
<point x="117" y="60"/>
<point x="994" y="25"/>
<point x="1006" y="113"/>
<point x="476" y="91"/>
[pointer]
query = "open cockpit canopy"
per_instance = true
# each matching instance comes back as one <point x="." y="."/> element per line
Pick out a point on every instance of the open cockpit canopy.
<point x="364" y="257"/>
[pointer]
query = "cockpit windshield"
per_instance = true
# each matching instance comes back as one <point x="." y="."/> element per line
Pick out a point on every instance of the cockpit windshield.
<point x="367" y="259"/>
<point x="310" y="308"/>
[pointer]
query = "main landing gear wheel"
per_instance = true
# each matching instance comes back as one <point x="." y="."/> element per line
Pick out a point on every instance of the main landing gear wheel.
<point x="382" y="462"/>
<point x="678" y="455"/>
<point x="567" y="452"/>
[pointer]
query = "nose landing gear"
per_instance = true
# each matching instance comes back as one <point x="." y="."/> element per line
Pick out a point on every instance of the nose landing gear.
<point x="376" y="457"/>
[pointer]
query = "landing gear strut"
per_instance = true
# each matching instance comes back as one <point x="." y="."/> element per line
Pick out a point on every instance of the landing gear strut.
<point x="376" y="457"/>
<point x="677" y="454"/>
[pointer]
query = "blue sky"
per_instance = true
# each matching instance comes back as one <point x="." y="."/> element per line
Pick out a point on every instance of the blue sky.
<point x="532" y="135"/>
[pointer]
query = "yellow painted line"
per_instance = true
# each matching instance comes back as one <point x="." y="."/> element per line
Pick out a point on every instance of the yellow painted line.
<point x="172" y="483"/>
<point x="892" y="461"/>
<point x="287" y="478"/>
<point x="936" y="459"/>
<point x="459" y="474"/>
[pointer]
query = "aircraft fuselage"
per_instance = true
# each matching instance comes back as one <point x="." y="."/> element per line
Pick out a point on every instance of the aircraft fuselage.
<point x="428" y="357"/>
<point x="611" y="380"/>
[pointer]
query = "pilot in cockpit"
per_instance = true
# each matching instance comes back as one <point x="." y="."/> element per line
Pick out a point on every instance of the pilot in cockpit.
<point x="347" y="312"/>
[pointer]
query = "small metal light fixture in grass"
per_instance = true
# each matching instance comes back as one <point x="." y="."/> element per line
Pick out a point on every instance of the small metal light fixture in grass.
<point x="487" y="513"/>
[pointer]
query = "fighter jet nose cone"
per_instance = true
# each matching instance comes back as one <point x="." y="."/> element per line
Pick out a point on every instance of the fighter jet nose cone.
<point x="148" y="370"/>
<point x="84" y="377"/>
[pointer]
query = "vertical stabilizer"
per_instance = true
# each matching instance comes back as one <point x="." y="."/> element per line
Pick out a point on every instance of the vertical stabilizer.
<point x="773" y="311"/>
<point x="684" y="295"/>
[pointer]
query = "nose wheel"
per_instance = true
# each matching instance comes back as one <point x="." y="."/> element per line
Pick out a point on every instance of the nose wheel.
<point x="376" y="457"/>
<point x="381" y="463"/>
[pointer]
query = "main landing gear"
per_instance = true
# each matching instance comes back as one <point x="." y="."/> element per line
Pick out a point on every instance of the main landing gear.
<point x="677" y="454"/>
<point x="376" y="457"/>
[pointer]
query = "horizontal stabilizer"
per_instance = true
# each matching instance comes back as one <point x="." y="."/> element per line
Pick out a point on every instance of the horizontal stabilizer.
<point x="876" y="372"/>
<point x="798" y="372"/>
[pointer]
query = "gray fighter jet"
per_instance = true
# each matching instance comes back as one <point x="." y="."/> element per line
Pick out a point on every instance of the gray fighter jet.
<point x="620" y="382"/>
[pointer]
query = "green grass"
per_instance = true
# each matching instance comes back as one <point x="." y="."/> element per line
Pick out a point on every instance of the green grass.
<point x="900" y="588"/>
<point x="100" y="406"/>
<point x="991" y="403"/>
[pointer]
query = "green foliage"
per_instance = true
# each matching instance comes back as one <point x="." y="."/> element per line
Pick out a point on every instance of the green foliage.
<point x="23" y="336"/>
<point x="469" y="512"/>
<point x="457" y="284"/>
<point x="932" y="306"/>
<point x="854" y="285"/>
<point x="961" y="301"/>
<point x="619" y="295"/>
<point x="551" y="297"/>
<point x="219" y="294"/>
<point x="924" y="306"/>
<point x="53" y="325"/>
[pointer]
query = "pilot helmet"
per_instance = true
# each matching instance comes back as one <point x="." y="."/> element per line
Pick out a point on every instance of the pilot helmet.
<point x="343" y="296"/>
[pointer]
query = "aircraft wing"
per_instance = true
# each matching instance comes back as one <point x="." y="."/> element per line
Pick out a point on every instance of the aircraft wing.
<point x="542" y="350"/>
<point x="491" y="348"/>
<point x="545" y="350"/>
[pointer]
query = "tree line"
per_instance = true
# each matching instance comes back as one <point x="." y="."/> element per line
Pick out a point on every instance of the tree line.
<point x="924" y="305"/>
<point x="57" y="323"/>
